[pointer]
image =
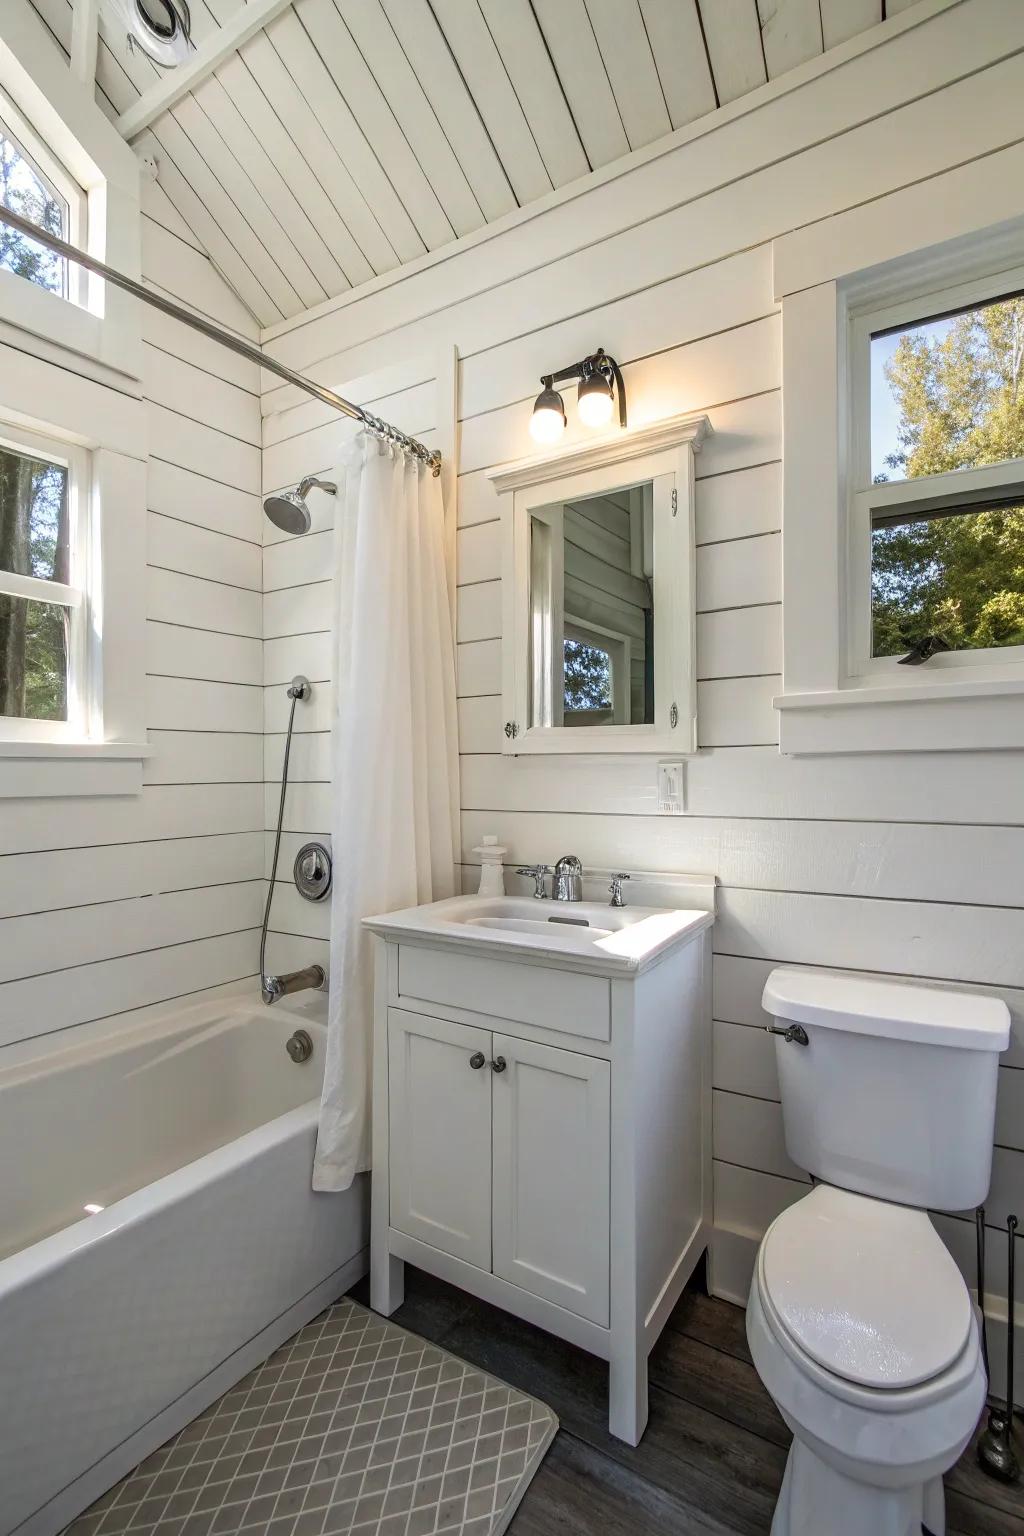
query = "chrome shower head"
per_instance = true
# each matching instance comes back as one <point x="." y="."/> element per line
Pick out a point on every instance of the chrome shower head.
<point x="288" y="511"/>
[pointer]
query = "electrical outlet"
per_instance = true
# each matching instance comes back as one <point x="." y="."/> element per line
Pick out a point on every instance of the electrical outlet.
<point x="671" y="784"/>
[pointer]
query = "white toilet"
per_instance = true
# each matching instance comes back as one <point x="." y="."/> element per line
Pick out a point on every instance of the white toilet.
<point x="859" y="1322"/>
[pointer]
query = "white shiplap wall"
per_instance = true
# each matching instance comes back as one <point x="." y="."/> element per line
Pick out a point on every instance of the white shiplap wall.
<point x="110" y="904"/>
<point x="899" y="866"/>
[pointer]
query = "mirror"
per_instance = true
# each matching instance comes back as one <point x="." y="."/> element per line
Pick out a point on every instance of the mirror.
<point x="591" y="625"/>
<point x="598" y="622"/>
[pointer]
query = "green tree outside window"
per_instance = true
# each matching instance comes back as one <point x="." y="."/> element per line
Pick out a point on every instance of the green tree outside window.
<point x="24" y="191"/>
<point x="34" y="541"/>
<point x="960" y="401"/>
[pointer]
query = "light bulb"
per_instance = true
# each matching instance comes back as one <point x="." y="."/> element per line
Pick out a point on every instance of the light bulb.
<point x="548" y="420"/>
<point x="594" y="400"/>
<point x="595" y="408"/>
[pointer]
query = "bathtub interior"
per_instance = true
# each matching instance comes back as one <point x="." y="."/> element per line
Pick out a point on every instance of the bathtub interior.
<point x="107" y="1119"/>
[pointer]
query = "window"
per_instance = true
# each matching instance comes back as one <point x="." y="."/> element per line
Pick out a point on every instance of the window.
<point x="597" y="675"/>
<point x="946" y="397"/>
<point x="903" y="501"/>
<point x="937" y="482"/>
<point x="44" y="607"/>
<point x="34" y="185"/>
<point x="64" y="166"/>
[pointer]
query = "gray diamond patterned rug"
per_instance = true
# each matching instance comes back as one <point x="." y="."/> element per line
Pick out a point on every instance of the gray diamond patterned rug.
<point x="352" y="1426"/>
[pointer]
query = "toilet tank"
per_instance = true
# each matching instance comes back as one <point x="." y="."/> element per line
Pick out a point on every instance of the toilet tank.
<point x="894" y="1093"/>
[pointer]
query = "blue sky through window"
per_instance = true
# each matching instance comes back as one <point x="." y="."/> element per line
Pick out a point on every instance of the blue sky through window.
<point x="885" y="414"/>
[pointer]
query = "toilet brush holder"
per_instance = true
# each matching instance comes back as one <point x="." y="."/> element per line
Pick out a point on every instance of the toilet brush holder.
<point x="997" y="1453"/>
<point x="979" y="1239"/>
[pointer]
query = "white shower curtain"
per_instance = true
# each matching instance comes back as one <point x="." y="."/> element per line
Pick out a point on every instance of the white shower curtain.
<point x="394" y="756"/>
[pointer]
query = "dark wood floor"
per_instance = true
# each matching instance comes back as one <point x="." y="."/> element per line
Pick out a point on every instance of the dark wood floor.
<point x="711" y="1461"/>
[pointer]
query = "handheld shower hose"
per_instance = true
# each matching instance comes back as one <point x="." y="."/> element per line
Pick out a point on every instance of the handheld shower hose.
<point x="274" y="987"/>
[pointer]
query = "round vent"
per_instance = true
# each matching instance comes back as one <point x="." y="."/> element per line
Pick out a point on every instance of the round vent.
<point x="162" y="29"/>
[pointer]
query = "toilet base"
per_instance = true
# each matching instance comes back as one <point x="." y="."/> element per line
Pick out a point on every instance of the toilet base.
<point x="815" y="1497"/>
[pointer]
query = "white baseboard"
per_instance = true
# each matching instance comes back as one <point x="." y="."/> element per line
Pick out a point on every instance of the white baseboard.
<point x="77" y="1496"/>
<point x="731" y="1258"/>
<point x="995" y="1314"/>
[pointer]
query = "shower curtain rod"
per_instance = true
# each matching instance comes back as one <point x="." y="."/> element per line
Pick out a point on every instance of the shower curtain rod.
<point x="374" y="424"/>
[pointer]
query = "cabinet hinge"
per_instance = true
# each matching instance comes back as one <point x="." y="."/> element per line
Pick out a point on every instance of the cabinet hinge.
<point x="511" y="730"/>
<point x="675" y="502"/>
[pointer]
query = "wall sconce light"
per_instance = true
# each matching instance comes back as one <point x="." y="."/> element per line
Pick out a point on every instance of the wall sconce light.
<point x="600" y="382"/>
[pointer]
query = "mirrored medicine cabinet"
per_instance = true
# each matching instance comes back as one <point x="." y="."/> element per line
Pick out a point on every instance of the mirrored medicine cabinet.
<point x="598" y="622"/>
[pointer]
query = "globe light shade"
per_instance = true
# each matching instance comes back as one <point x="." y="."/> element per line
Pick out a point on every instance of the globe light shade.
<point x="548" y="420"/>
<point x="594" y="401"/>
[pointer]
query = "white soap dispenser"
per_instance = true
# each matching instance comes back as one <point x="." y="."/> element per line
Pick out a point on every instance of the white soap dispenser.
<point x="492" y="873"/>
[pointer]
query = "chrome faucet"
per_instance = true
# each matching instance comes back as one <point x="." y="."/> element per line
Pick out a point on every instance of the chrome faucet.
<point x="273" y="988"/>
<point x="616" y="890"/>
<point x="567" y="884"/>
<point x="536" y="872"/>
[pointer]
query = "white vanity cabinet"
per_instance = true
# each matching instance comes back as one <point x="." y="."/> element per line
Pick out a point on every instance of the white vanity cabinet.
<point x="504" y="1164"/>
<point x="541" y="1128"/>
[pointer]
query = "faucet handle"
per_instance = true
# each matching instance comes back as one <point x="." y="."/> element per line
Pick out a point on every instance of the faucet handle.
<point x="616" y="890"/>
<point x="536" y="872"/>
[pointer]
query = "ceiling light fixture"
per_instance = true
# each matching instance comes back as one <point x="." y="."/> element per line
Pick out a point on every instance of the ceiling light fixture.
<point x="599" y="383"/>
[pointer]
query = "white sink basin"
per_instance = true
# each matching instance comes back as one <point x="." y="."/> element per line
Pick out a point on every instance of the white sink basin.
<point x="605" y="939"/>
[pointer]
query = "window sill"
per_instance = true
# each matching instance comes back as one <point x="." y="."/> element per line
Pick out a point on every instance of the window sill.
<point x="34" y="769"/>
<point x="918" y="717"/>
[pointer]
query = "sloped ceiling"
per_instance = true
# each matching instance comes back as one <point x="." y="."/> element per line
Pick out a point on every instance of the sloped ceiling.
<point x="348" y="137"/>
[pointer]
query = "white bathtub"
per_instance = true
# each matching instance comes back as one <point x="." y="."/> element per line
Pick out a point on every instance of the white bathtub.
<point x="195" y="1134"/>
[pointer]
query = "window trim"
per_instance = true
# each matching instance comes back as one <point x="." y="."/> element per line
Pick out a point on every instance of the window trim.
<point x="969" y="485"/>
<point x="60" y="181"/>
<point x="103" y="751"/>
<point x="102" y="334"/>
<point x="827" y="705"/>
<point x="84" y="704"/>
<point x="618" y="647"/>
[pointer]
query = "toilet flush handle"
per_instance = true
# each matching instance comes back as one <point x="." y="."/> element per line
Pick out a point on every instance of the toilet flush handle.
<point x="793" y="1034"/>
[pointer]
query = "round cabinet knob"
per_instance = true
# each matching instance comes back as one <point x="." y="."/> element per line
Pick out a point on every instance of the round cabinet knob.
<point x="477" y="1060"/>
<point x="499" y="1064"/>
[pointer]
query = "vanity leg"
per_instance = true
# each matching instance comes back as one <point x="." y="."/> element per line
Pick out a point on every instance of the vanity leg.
<point x="387" y="1282"/>
<point x="627" y="1393"/>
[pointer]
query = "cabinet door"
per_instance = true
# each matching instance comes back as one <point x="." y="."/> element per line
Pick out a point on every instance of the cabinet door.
<point x="440" y="1134"/>
<point x="552" y="1177"/>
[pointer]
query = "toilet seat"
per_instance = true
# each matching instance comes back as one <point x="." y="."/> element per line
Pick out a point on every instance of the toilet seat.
<point x="865" y="1297"/>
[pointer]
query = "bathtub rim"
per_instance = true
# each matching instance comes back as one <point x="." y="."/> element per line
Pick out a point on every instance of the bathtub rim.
<point x="29" y="1265"/>
<point x="97" y="1034"/>
<point x="155" y="1023"/>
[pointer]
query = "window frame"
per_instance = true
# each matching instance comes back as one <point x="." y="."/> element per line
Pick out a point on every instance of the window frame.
<point x="968" y="486"/>
<point x="83" y="702"/>
<point x="102" y="750"/>
<point x="826" y="707"/>
<point x="617" y="647"/>
<point x="102" y="331"/>
<point x="56" y="176"/>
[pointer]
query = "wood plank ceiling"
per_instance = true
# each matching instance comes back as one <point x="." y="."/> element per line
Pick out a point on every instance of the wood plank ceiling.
<point x="351" y="136"/>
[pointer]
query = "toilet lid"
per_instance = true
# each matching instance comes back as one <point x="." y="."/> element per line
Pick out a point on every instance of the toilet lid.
<point x="865" y="1288"/>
